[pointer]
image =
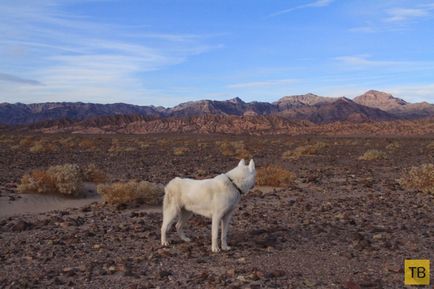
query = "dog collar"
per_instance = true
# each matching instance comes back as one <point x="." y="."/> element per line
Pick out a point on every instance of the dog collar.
<point x="236" y="187"/>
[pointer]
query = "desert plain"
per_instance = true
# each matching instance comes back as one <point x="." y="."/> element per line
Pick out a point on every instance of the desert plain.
<point x="342" y="221"/>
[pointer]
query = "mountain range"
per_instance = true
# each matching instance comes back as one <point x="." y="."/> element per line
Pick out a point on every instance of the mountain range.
<point x="370" y="106"/>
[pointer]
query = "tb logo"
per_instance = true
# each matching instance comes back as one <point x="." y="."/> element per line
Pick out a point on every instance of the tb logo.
<point x="417" y="272"/>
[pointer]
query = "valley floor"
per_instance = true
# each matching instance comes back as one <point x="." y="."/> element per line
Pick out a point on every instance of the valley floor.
<point x="344" y="222"/>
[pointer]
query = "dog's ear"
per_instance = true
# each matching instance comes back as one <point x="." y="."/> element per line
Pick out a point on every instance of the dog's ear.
<point x="242" y="163"/>
<point x="252" y="165"/>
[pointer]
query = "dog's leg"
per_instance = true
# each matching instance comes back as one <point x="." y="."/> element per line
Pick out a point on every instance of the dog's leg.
<point x="215" y="232"/>
<point x="183" y="218"/>
<point x="169" y="215"/>
<point x="225" y="226"/>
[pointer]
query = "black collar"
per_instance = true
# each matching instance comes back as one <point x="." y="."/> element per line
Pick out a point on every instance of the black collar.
<point x="236" y="187"/>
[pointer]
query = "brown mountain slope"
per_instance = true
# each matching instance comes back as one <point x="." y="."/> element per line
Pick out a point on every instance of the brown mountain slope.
<point x="252" y="125"/>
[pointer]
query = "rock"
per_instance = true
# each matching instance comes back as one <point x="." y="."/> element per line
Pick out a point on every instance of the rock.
<point x="164" y="274"/>
<point x="350" y="284"/>
<point x="21" y="226"/>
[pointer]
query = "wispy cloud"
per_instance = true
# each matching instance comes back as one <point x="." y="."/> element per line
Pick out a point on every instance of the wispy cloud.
<point x="4" y="77"/>
<point x="77" y="58"/>
<point x="414" y="93"/>
<point x="363" y="61"/>
<point x="262" y="84"/>
<point x="405" y="14"/>
<point x="314" y="4"/>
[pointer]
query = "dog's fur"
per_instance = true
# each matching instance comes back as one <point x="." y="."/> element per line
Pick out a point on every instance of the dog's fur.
<point x="214" y="198"/>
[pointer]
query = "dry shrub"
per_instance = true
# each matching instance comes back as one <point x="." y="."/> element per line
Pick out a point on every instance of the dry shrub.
<point x="64" y="179"/>
<point x="234" y="148"/>
<point x="142" y="144"/>
<point x="119" y="193"/>
<point x="42" y="147"/>
<point x="27" y="141"/>
<point x="306" y="150"/>
<point x="93" y="174"/>
<point x="371" y="155"/>
<point x="118" y="147"/>
<point x="180" y="151"/>
<point x="393" y="146"/>
<point x="430" y="146"/>
<point x="87" y="144"/>
<point x="419" y="178"/>
<point x="274" y="176"/>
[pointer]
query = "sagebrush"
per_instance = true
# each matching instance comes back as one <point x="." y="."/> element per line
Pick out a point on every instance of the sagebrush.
<point x="274" y="176"/>
<point x="371" y="155"/>
<point x="306" y="150"/>
<point x="125" y="192"/>
<point x="420" y="178"/>
<point x="62" y="179"/>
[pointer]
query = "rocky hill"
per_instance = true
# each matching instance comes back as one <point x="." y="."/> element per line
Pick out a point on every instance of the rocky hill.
<point x="212" y="115"/>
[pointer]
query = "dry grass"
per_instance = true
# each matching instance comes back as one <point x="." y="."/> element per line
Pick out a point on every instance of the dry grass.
<point x="93" y="174"/>
<point x="236" y="149"/>
<point x="87" y="144"/>
<point x="393" y="146"/>
<point x="27" y="141"/>
<point x="274" y="176"/>
<point x="120" y="193"/>
<point x="430" y="146"/>
<point x="118" y="147"/>
<point x="180" y="151"/>
<point x="64" y="179"/>
<point x="371" y="155"/>
<point x="42" y="146"/>
<point x="419" y="178"/>
<point x="306" y="150"/>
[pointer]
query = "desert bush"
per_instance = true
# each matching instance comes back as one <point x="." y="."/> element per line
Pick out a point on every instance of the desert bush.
<point x="419" y="178"/>
<point x="234" y="148"/>
<point x="430" y="146"/>
<point x="371" y="155"/>
<point x="26" y="141"/>
<point x="306" y="150"/>
<point x="92" y="173"/>
<point x="63" y="179"/>
<point x="180" y="151"/>
<point x="274" y="176"/>
<point x="118" y="147"/>
<point x="118" y="193"/>
<point x="393" y="146"/>
<point x="41" y="146"/>
<point x="87" y="144"/>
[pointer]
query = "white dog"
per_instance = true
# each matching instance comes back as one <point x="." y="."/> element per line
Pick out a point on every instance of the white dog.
<point x="214" y="198"/>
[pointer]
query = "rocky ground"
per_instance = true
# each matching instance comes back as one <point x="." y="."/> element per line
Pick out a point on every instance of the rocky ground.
<point x="344" y="223"/>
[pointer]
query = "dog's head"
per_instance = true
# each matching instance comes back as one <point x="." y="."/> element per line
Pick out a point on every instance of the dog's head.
<point x="245" y="175"/>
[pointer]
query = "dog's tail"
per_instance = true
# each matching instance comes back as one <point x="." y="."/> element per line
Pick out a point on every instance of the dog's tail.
<point x="168" y="194"/>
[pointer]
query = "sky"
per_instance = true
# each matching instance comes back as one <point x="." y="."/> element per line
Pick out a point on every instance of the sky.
<point x="165" y="52"/>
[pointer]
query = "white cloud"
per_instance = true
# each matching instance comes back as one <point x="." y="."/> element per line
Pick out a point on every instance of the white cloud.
<point x="314" y="4"/>
<point x="4" y="77"/>
<point x="414" y="93"/>
<point x="361" y="62"/>
<point x="77" y="58"/>
<point x="404" y="14"/>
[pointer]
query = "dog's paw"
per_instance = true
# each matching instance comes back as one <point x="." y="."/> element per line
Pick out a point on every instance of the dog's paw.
<point x="165" y="243"/>
<point x="215" y="249"/>
<point x="226" y="248"/>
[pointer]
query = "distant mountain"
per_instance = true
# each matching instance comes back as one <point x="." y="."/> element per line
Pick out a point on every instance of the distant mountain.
<point x="395" y="106"/>
<point x="371" y="106"/>
<point x="289" y="102"/>
<point x="13" y="114"/>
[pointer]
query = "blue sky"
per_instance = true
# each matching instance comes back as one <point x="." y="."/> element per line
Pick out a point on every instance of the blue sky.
<point x="164" y="52"/>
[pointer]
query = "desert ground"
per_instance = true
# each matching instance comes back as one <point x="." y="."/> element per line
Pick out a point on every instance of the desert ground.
<point x="342" y="222"/>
